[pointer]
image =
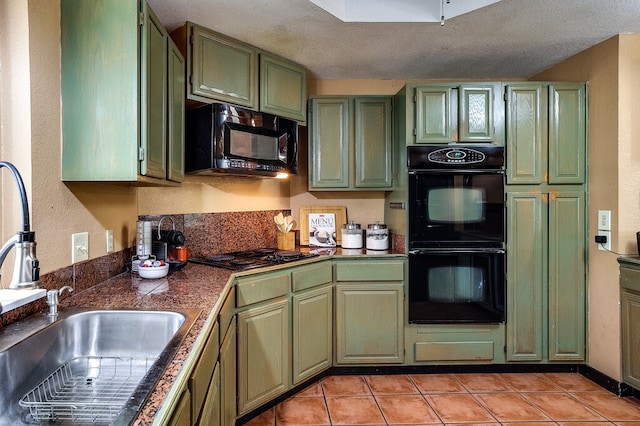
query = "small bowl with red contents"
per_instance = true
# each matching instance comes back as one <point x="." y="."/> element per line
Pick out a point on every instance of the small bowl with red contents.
<point x="153" y="269"/>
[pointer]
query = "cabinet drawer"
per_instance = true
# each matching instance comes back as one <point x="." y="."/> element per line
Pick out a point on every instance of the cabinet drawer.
<point x="630" y="279"/>
<point x="203" y="371"/>
<point x="256" y="289"/>
<point x="454" y="351"/>
<point x="312" y="275"/>
<point x="370" y="271"/>
<point x="226" y="312"/>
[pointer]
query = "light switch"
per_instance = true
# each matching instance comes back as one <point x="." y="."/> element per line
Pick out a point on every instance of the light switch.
<point x="604" y="220"/>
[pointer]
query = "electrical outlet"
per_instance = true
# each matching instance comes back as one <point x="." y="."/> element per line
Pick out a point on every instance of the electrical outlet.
<point x="604" y="246"/>
<point x="79" y="247"/>
<point x="604" y="220"/>
<point x="109" y="240"/>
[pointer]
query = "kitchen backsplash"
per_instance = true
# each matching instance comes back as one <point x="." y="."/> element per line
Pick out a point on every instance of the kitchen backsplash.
<point x="205" y="234"/>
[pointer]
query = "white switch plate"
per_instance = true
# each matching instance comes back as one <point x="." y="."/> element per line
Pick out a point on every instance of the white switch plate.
<point x="606" y="246"/>
<point x="109" y="240"/>
<point x="604" y="220"/>
<point x="79" y="247"/>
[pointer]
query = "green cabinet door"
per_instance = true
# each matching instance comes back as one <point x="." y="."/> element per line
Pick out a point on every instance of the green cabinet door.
<point x="351" y="143"/>
<point x="369" y="323"/>
<point x="476" y="113"/>
<point x="264" y="366"/>
<point x="526" y="150"/>
<point x="526" y="275"/>
<point x="567" y="133"/>
<point x="100" y="42"/>
<point x="567" y="275"/>
<point x="222" y="69"/>
<point x="546" y="133"/>
<point x="181" y="415"/>
<point x="546" y="314"/>
<point x="115" y="93"/>
<point x="283" y="88"/>
<point x="175" y="119"/>
<point x="373" y="142"/>
<point x="312" y="332"/>
<point x="630" y="338"/>
<point x="630" y="321"/>
<point x="154" y="105"/>
<point x="228" y="379"/>
<point x="329" y="152"/>
<point x="210" y="415"/>
<point x="434" y="114"/>
<point x="454" y="112"/>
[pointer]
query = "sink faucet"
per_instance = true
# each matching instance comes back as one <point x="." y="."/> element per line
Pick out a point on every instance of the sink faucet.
<point x="26" y="269"/>
<point x="53" y="299"/>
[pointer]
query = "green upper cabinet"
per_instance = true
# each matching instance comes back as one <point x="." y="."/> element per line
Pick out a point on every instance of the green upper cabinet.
<point x="117" y="123"/>
<point x="222" y="69"/>
<point x="176" y="114"/>
<point x="283" y="88"/>
<point x="567" y="133"/>
<point x="154" y="85"/>
<point x="351" y="143"/>
<point x="454" y="112"/>
<point x="219" y="68"/>
<point x="546" y="133"/>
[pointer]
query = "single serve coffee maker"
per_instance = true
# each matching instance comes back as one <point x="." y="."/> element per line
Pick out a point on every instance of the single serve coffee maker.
<point x="166" y="243"/>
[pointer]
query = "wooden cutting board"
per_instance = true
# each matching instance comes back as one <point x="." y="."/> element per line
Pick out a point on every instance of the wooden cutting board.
<point x="341" y="218"/>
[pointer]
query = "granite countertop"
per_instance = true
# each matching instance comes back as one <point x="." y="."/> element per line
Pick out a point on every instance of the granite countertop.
<point x="194" y="287"/>
<point x="632" y="260"/>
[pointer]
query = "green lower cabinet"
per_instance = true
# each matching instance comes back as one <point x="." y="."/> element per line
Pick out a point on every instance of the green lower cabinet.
<point x="312" y="332"/>
<point x="210" y="415"/>
<point x="228" y="386"/>
<point x="264" y="366"/>
<point x="369" y="323"/>
<point x="546" y="278"/>
<point x="630" y="321"/>
<point x="181" y="415"/>
<point x="630" y="338"/>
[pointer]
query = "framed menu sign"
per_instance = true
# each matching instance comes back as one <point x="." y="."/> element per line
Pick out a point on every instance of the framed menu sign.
<point x="322" y="229"/>
<point x="321" y="215"/>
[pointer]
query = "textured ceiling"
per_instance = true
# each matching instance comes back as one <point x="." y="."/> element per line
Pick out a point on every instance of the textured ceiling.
<point x="510" y="39"/>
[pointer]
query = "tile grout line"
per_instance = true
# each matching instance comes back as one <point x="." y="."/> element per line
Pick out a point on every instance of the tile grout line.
<point x="425" y="399"/>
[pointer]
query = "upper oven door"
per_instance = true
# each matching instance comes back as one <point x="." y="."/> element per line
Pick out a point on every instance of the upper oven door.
<point x="456" y="207"/>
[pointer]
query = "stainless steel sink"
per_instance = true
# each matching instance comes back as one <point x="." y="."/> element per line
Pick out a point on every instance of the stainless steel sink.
<point x="93" y="367"/>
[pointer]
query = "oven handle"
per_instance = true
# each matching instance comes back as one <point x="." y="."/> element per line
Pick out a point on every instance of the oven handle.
<point x="454" y="250"/>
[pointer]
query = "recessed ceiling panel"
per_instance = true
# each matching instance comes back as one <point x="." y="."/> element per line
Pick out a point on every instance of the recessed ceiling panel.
<point x="399" y="10"/>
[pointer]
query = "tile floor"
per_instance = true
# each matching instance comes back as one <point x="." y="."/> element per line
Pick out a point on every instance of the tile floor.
<point x="514" y="399"/>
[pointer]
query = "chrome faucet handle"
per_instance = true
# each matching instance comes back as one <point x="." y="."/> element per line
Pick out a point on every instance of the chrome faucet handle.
<point x="53" y="299"/>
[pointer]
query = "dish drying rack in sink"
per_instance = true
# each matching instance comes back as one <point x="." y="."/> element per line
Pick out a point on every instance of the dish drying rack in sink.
<point x="86" y="389"/>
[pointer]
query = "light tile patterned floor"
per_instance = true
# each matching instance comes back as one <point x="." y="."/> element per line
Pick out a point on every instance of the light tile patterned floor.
<point x="512" y="399"/>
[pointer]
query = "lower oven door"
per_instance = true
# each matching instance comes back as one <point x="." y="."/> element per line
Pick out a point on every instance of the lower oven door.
<point x="457" y="286"/>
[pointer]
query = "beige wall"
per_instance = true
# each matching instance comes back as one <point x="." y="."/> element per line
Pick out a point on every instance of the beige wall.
<point x="614" y="179"/>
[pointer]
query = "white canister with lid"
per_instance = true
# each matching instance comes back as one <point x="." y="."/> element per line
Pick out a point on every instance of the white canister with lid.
<point x="377" y="236"/>
<point x="351" y="235"/>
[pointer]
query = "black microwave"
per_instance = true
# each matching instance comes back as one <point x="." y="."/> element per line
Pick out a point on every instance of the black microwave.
<point x="224" y="139"/>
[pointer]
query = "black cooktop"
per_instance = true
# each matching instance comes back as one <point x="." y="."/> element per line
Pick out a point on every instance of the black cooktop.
<point x="250" y="259"/>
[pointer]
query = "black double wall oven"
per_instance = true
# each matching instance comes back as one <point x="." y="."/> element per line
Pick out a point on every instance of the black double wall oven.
<point x="456" y="234"/>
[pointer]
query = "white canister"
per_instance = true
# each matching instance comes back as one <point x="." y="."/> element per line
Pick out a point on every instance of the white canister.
<point x="377" y="236"/>
<point x="351" y="235"/>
